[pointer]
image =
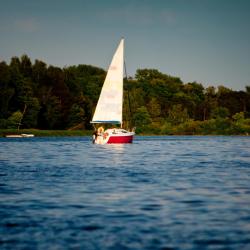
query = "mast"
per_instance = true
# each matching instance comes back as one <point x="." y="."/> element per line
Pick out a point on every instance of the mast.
<point x="129" y="102"/>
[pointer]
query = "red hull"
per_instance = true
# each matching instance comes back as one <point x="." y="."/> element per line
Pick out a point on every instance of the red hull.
<point x="120" y="139"/>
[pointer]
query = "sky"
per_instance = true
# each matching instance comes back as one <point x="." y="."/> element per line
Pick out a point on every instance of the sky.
<point x="207" y="41"/>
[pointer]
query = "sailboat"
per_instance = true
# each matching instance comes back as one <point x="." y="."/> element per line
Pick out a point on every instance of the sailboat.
<point x="109" y="106"/>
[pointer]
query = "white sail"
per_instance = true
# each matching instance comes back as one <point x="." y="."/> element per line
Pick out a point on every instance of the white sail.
<point x="109" y="106"/>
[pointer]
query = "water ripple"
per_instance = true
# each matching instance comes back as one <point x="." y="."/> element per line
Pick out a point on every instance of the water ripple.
<point x="161" y="192"/>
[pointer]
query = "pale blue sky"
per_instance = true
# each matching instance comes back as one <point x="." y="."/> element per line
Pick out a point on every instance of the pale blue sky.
<point x="207" y="41"/>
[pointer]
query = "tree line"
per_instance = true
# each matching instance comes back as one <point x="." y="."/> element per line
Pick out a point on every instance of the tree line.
<point x="35" y="95"/>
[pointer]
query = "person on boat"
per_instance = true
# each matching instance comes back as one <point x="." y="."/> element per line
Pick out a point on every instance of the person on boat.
<point x="98" y="135"/>
<point x="95" y="134"/>
<point x="100" y="130"/>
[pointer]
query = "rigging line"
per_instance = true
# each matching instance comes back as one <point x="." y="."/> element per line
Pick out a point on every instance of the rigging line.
<point x="125" y="71"/>
<point x="129" y="103"/>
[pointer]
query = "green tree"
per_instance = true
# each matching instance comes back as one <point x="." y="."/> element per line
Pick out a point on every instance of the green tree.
<point x="210" y="102"/>
<point x="15" y="119"/>
<point x="239" y="117"/>
<point x="15" y="79"/>
<point x="39" y="75"/>
<point x="194" y="98"/>
<point x="223" y="90"/>
<point x="59" y="90"/>
<point x="240" y="124"/>
<point x="30" y="119"/>
<point x="177" y="114"/>
<point x="141" y="117"/>
<point x="53" y="114"/>
<point x="76" y="116"/>
<point x="154" y="108"/>
<point x="220" y="112"/>
<point x="25" y="66"/>
<point x="166" y="128"/>
<point x="6" y="91"/>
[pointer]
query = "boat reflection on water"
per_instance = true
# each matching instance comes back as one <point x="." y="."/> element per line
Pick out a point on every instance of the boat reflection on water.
<point x="117" y="147"/>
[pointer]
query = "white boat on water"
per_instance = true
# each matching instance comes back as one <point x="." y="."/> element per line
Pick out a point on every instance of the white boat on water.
<point x="109" y="106"/>
<point x="19" y="135"/>
<point x="27" y="135"/>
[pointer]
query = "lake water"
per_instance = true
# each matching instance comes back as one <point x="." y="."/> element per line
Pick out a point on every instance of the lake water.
<point x="162" y="192"/>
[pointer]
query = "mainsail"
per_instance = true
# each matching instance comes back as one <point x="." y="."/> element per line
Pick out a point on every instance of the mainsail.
<point x="109" y="106"/>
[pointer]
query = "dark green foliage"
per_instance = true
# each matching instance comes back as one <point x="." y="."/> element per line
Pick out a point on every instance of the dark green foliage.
<point x="177" y="114"/>
<point x="141" y="118"/>
<point x="220" y="112"/>
<point x="48" y="97"/>
<point x="76" y="115"/>
<point x="34" y="95"/>
<point x="6" y="91"/>
<point x="14" y="120"/>
<point x="31" y="115"/>
<point x="154" y="108"/>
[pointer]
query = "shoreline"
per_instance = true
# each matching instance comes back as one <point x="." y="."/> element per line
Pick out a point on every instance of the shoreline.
<point x="44" y="133"/>
<point x="59" y="133"/>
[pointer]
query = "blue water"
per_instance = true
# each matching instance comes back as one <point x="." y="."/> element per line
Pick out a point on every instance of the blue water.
<point x="158" y="193"/>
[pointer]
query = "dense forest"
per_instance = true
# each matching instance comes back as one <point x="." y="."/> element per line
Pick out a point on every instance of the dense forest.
<point x="35" y="95"/>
